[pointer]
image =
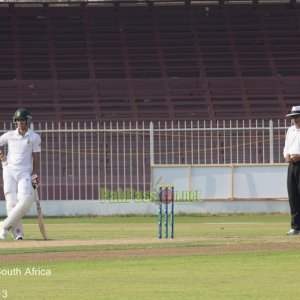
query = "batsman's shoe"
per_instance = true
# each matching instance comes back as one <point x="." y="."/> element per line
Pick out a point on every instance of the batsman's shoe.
<point x="293" y="232"/>
<point x="17" y="231"/>
<point x="3" y="232"/>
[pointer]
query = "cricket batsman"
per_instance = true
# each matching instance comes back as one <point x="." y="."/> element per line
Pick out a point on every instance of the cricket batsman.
<point x="20" y="172"/>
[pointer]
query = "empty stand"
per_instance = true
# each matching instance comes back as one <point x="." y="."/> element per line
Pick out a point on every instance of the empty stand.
<point x="121" y="61"/>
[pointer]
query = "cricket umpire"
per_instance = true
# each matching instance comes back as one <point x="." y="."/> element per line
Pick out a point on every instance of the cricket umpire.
<point x="20" y="172"/>
<point x="291" y="155"/>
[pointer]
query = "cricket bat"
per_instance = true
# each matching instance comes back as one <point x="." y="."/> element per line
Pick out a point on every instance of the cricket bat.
<point x="40" y="215"/>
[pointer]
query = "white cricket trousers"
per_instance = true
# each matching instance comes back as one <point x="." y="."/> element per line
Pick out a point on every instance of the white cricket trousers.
<point x="19" y="195"/>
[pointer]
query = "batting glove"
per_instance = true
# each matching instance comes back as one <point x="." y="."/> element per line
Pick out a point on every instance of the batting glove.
<point x="35" y="180"/>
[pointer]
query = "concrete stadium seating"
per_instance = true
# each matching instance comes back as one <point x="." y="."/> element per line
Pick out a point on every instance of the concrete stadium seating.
<point x="83" y="61"/>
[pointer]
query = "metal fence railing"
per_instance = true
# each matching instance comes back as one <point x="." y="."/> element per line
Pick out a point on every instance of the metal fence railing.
<point x="82" y="161"/>
<point x="223" y="142"/>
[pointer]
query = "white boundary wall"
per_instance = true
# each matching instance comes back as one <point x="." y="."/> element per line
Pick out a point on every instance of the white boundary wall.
<point x="224" y="189"/>
<point x="225" y="182"/>
<point x="95" y="208"/>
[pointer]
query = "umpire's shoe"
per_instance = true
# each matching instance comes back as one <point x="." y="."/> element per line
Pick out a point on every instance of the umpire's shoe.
<point x="293" y="232"/>
<point x="3" y="232"/>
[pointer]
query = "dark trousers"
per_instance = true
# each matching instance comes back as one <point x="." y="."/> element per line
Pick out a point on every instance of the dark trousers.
<point x="293" y="186"/>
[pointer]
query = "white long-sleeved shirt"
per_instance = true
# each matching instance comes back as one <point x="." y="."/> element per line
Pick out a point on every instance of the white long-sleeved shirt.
<point x="292" y="141"/>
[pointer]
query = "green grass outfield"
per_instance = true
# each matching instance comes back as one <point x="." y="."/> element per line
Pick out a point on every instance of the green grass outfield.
<point x="211" y="257"/>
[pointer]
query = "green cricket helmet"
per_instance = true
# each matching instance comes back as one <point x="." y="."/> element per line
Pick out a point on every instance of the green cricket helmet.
<point x="21" y="114"/>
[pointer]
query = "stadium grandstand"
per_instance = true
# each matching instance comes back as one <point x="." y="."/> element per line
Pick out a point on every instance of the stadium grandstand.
<point x="209" y="74"/>
<point x="149" y="60"/>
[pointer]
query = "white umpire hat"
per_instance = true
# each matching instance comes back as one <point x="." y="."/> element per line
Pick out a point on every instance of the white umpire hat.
<point x="294" y="112"/>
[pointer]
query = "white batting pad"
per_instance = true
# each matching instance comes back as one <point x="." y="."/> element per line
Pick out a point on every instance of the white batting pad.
<point x="11" y="201"/>
<point x="18" y="212"/>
